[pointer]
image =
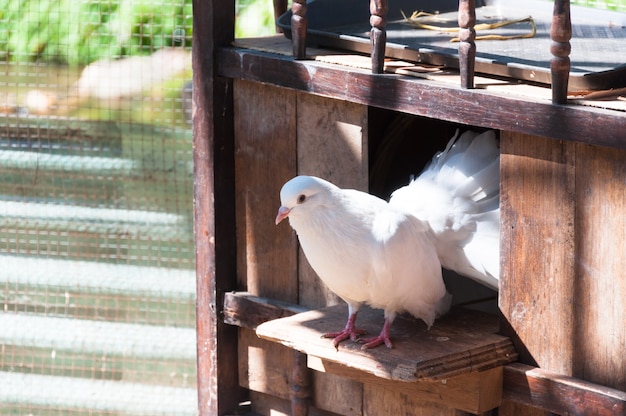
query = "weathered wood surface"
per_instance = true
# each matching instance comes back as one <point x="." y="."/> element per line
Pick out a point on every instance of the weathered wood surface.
<point x="332" y="144"/>
<point x="564" y="224"/>
<point x="460" y="343"/>
<point x="538" y="242"/>
<point x="428" y="98"/>
<point x="265" y="158"/>
<point x="214" y="220"/>
<point x="245" y="310"/>
<point x="560" y="394"/>
<point x="474" y="392"/>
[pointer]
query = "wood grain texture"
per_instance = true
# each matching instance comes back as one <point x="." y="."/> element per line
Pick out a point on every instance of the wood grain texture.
<point x="218" y="390"/>
<point x="600" y="307"/>
<point x="332" y="144"/>
<point x="560" y="394"/>
<point x="245" y="310"/>
<point x="474" y="392"/>
<point x="264" y="366"/>
<point x="537" y="248"/>
<point x="389" y="401"/>
<point x="462" y="342"/>
<point x="564" y="226"/>
<point x="265" y="158"/>
<point x="431" y="99"/>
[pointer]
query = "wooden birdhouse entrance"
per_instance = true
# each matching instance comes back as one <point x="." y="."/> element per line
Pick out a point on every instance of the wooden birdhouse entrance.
<point x="553" y="332"/>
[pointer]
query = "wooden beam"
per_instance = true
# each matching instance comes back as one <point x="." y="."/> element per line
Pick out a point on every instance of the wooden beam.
<point x="245" y="310"/>
<point x="214" y="222"/>
<point x="560" y="394"/>
<point x="428" y="98"/>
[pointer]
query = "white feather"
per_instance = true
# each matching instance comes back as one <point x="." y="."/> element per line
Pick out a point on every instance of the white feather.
<point x="457" y="194"/>
<point x="366" y="250"/>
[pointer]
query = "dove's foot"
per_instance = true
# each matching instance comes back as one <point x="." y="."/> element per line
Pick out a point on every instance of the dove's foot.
<point x="383" y="338"/>
<point x="350" y="331"/>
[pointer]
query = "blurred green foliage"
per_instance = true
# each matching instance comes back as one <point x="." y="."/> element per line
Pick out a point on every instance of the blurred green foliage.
<point x="82" y="31"/>
<point x="254" y="18"/>
<point x="78" y="32"/>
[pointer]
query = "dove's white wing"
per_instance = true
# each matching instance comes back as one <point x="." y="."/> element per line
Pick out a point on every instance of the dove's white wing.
<point x="406" y="270"/>
<point x="457" y="194"/>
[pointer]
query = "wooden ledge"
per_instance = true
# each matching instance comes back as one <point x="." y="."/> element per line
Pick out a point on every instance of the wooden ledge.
<point x="461" y="343"/>
<point x="458" y="362"/>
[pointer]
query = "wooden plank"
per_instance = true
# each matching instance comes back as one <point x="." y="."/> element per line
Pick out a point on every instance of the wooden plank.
<point x="390" y="401"/>
<point x="337" y="394"/>
<point x="432" y="99"/>
<point x="214" y="220"/>
<point x="475" y="392"/>
<point x="263" y="366"/>
<point x="600" y="288"/>
<point x="538" y="248"/>
<point x="560" y="394"/>
<point x="245" y="310"/>
<point x="265" y="158"/>
<point x="462" y="342"/>
<point x="332" y="144"/>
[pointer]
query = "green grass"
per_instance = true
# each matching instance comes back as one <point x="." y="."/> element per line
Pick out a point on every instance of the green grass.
<point x="615" y="5"/>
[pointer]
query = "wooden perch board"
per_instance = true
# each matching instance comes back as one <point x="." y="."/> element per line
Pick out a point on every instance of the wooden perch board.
<point x="462" y="342"/>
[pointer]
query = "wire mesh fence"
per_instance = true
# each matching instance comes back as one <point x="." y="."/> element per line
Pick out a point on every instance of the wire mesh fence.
<point x="97" y="282"/>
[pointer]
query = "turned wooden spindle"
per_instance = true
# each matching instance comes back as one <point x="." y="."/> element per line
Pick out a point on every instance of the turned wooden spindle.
<point x="298" y="28"/>
<point x="467" y="44"/>
<point x="300" y="385"/>
<point x="378" y="33"/>
<point x="560" y="33"/>
<point x="280" y="7"/>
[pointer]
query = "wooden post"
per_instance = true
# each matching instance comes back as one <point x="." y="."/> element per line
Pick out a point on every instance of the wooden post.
<point x="300" y="385"/>
<point x="467" y="44"/>
<point x="280" y="7"/>
<point x="214" y="224"/>
<point x="378" y="34"/>
<point x="299" y="25"/>
<point x="560" y="33"/>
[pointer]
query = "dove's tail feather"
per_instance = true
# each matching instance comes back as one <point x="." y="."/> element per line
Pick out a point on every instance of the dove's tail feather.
<point x="458" y="194"/>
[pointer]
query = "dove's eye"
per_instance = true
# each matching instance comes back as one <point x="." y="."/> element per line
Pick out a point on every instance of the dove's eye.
<point x="301" y="198"/>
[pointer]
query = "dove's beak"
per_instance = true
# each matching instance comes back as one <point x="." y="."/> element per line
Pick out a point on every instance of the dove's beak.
<point x="283" y="212"/>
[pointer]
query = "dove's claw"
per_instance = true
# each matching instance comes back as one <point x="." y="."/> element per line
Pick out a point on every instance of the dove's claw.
<point x="348" y="332"/>
<point x="383" y="338"/>
<point x="351" y="333"/>
<point x="375" y="342"/>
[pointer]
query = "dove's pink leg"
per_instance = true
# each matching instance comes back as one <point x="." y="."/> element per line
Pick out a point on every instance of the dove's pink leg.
<point x="348" y="332"/>
<point x="382" y="338"/>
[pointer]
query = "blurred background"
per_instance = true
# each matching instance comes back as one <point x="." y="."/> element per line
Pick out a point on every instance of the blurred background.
<point x="97" y="281"/>
<point x="97" y="271"/>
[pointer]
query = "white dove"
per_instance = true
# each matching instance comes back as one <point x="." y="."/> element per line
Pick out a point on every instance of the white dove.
<point x="458" y="195"/>
<point x="366" y="251"/>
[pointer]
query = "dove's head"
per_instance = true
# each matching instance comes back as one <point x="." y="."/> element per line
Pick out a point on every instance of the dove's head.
<point x="302" y="195"/>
